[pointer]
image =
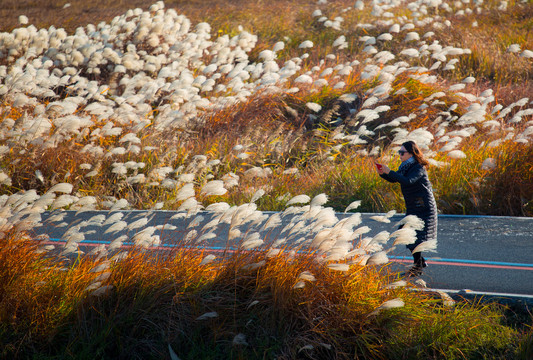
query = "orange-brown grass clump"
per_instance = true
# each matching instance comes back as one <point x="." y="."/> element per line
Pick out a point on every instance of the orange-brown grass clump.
<point x="301" y="150"/>
<point x="244" y="306"/>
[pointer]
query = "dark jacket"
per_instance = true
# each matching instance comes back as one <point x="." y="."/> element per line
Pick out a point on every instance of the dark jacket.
<point x="419" y="200"/>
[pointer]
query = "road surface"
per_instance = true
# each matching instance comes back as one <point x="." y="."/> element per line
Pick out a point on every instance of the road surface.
<point x="478" y="253"/>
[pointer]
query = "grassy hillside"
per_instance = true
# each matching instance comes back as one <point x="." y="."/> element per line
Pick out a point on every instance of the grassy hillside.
<point x="459" y="84"/>
<point x="238" y="107"/>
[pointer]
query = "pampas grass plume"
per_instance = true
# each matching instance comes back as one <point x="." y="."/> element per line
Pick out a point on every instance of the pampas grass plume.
<point x="219" y="207"/>
<point x="380" y="218"/>
<point x="430" y="245"/>
<point x="353" y="205"/>
<point x="204" y="237"/>
<point x="381" y="237"/>
<point x="319" y="200"/>
<point x="339" y="267"/>
<point x="299" y="285"/>
<point x="396" y="284"/>
<point x="273" y="221"/>
<point x="378" y="258"/>
<point x="214" y="188"/>
<point x="208" y="315"/>
<point x="404" y="236"/>
<point x="411" y="221"/>
<point x="390" y="304"/>
<point x="257" y="195"/>
<point x="298" y="199"/>
<point x="207" y="259"/>
<point x="64" y="188"/>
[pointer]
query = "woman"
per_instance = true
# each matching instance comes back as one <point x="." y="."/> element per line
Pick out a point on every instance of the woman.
<point x="418" y="195"/>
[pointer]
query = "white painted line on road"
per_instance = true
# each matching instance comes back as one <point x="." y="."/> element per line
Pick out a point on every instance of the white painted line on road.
<point x="480" y="293"/>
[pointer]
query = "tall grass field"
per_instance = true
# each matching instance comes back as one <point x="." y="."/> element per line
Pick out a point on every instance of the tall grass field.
<point x="236" y="109"/>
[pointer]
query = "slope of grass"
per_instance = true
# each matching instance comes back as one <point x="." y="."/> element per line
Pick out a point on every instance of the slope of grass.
<point x="244" y="306"/>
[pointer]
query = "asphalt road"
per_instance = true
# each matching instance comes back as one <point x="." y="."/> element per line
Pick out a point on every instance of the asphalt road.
<point x="478" y="253"/>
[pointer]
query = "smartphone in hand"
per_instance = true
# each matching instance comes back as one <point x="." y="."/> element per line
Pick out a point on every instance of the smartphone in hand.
<point x="379" y="166"/>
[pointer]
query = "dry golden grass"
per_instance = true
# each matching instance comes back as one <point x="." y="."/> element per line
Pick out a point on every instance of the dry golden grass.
<point x="138" y="306"/>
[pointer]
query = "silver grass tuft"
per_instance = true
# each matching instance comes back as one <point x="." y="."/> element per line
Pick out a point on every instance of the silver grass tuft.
<point x="208" y="315"/>
<point x="430" y="245"/>
<point x="411" y="221"/>
<point x="339" y="267"/>
<point x="378" y="258"/>
<point x="207" y="259"/>
<point x="319" y="200"/>
<point x="299" y="199"/>
<point x="62" y="188"/>
<point x="353" y="205"/>
<point x="404" y="236"/>
<point x="390" y="304"/>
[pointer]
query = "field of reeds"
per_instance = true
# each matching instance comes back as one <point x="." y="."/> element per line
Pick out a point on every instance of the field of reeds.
<point x="236" y="108"/>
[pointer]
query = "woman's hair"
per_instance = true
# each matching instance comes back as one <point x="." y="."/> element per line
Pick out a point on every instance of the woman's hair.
<point x="414" y="150"/>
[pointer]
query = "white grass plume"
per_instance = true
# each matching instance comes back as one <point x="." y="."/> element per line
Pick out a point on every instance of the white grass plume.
<point x="254" y="266"/>
<point x="252" y="241"/>
<point x="64" y="188"/>
<point x="207" y="259"/>
<point x="360" y="260"/>
<point x="353" y="205"/>
<point x="211" y="224"/>
<point x="190" y="236"/>
<point x="396" y="284"/>
<point x="145" y="237"/>
<point x="120" y="204"/>
<point x="213" y="188"/>
<point x="257" y="195"/>
<point x="378" y="258"/>
<point x="273" y="252"/>
<point x="299" y="285"/>
<point x="116" y="227"/>
<point x="339" y="267"/>
<point x="360" y="231"/>
<point x="117" y="243"/>
<point x="205" y="237"/>
<point x="446" y="299"/>
<point x="273" y="221"/>
<point x="425" y="246"/>
<point x="380" y="218"/>
<point x="319" y="200"/>
<point x="381" y="237"/>
<point x="389" y="304"/>
<point x="411" y="221"/>
<point x="307" y="276"/>
<point x="196" y="221"/>
<point x="208" y="315"/>
<point x="219" y="207"/>
<point x="326" y="217"/>
<point x="186" y="192"/>
<point x="234" y="233"/>
<point x="189" y="204"/>
<point x="138" y="224"/>
<point x="352" y="221"/>
<point x="240" y="340"/>
<point x="173" y="355"/>
<point x="404" y="236"/>
<point x="279" y="241"/>
<point x="298" y="199"/>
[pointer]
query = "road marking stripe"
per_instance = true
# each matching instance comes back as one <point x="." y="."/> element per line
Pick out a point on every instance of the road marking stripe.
<point x="471" y="263"/>
<point x="402" y="259"/>
<point x="450" y="263"/>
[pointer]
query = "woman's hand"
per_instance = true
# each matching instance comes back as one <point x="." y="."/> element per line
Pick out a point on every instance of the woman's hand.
<point x="385" y="169"/>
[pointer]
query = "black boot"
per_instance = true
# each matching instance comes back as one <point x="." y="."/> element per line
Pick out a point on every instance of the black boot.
<point x="418" y="264"/>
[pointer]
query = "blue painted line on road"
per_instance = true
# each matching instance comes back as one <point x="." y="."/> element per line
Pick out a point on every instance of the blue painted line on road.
<point x="465" y="261"/>
<point x="436" y="260"/>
